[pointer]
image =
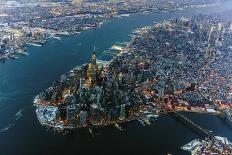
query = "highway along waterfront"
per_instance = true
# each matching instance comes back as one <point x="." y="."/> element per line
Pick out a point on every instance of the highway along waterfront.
<point x="22" y="79"/>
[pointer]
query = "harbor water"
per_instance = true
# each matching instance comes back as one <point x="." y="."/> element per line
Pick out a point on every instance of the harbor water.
<point x="21" y="79"/>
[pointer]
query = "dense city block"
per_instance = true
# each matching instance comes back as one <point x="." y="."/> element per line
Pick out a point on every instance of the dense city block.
<point x="178" y="65"/>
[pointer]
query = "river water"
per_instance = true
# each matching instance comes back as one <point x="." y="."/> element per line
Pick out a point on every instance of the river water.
<point x="22" y="79"/>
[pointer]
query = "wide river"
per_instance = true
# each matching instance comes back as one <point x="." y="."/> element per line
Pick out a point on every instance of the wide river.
<point x="23" y="78"/>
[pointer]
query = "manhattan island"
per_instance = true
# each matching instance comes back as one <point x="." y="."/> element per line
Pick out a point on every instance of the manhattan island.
<point x="181" y="65"/>
<point x="178" y="65"/>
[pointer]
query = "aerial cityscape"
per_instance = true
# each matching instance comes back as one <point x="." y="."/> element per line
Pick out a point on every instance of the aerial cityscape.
<point x="34" y="23"/>
<point x="150" y="69"/>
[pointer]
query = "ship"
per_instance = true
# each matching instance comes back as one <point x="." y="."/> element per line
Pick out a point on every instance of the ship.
<point x="34" y="44"/>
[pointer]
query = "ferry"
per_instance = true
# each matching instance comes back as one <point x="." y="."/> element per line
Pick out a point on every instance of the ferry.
<point x="34" y="44"/>
<point x="123" y="15"/>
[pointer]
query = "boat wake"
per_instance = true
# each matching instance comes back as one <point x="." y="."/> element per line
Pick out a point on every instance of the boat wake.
<point x="7" y="127"/>
<point x="18" y="115"/>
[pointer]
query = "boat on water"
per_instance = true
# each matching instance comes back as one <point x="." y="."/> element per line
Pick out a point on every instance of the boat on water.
<point x="24" y="53"/>
<point x="35" y="44"/>
<point x="123" y="15"/>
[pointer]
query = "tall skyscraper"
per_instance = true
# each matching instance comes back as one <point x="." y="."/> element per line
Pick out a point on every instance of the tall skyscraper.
<point x="94" y="59"/>
<point x="93" y="69"/>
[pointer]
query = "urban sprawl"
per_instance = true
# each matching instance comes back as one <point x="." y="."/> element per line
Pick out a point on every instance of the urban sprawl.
<point x="175" y="66"/>
<point x="34" y="22"/>
<point x="180" y="65"/>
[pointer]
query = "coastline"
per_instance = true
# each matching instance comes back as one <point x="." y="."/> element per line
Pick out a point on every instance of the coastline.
<point x="122" y="51"/>
<point x="54" y="34"/>
<point x="166" y="131"/>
